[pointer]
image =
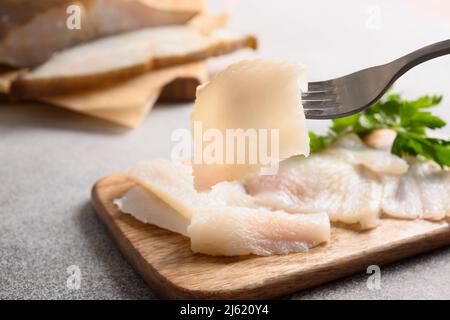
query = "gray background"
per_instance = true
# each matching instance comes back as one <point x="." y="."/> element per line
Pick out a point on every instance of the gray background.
<point x="50" y="157"/>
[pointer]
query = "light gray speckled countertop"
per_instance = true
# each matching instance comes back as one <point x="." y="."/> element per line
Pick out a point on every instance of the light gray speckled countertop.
<point x="50" y="158"/>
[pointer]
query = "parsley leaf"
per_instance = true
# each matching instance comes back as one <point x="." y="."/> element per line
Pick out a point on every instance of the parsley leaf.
<point x="317" y="142"/>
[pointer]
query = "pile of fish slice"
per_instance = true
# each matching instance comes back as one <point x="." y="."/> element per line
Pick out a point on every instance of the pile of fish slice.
<point x="290" y="211"/>
<point x="241" y="211"/>
<point x="120" y="43"/>
<point x="114" y="59"/>
<point x="32" y="31"/>
<point x="223" y="221"/>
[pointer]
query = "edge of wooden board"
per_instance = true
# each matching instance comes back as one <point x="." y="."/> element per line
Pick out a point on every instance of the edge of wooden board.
<point x="106" y="189"/>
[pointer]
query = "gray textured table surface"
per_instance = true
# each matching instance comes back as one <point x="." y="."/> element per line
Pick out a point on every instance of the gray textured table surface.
<point x="50" y="158"/>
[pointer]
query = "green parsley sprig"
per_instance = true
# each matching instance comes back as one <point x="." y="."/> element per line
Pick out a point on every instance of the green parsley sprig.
<point x="410" y="119"/>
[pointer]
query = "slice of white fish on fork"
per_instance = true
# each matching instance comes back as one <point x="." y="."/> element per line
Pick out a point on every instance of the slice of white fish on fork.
<point x="259" y="99"/>
<point x="223" y="221"/>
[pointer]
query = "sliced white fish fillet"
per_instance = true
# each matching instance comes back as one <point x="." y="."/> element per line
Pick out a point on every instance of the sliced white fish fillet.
<point x="148" y="208"/>
<point x="401" y="197"/>
<point x="423" y="192"/>
<point x="170" y="181"/>
<point x="345" y="181"/>
<point x="434" y="184"/>
<point x="134" y="14"/>
<point x="248" y="96"/>
<point x="110" y="60"/>
<point x="225" y="220"/>
<point x="352" y="150"/>
<point x="349" y="194"/>
<point x="242" y="231"/>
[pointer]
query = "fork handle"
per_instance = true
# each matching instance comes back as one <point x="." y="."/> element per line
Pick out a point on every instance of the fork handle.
<point x="417" y="57"/>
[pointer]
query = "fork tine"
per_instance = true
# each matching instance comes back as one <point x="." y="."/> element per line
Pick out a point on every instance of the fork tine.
<point x="321" y="86"/>
<point x="320" y="104"/>
<point x="319" y="95"/>
<point x="320" y="114"/>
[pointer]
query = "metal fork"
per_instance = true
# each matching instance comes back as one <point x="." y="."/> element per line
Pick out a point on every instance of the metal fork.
<point x="355" y="92"/>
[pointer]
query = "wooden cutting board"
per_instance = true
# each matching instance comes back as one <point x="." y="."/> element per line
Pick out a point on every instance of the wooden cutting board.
<point x="167" y="264"/>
